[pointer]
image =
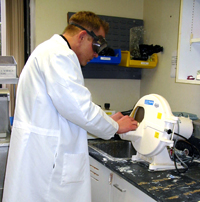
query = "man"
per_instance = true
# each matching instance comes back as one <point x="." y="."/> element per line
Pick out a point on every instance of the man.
<point x="48" y="157"/>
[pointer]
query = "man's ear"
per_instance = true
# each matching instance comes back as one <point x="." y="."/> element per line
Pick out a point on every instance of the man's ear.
<point x="82" y="35"/>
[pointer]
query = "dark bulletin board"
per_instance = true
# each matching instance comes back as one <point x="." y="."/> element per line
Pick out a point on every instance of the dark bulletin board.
<point x="117" y="38"/>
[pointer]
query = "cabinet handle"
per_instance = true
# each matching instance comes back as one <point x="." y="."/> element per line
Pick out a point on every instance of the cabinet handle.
<point x="110" y="178"/>
<point x="117" y="187"/>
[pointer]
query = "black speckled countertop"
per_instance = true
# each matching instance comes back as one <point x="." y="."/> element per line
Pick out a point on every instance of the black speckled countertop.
<point x="159" y="185"/>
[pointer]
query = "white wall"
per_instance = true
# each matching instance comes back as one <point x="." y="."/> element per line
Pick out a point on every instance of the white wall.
<point x="51" y="18"/>
<point x="161" y="18"/>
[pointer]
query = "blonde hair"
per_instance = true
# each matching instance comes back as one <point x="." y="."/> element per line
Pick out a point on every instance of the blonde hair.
<point x="88" y="20"/>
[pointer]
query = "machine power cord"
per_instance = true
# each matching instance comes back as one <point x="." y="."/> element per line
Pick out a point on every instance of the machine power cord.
<point x="176" y="155"/>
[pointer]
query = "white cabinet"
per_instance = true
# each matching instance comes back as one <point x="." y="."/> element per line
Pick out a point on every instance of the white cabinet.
<point x="101" y="179"/>
<point x="110" y="187"/>
<point x="123" y="191"/>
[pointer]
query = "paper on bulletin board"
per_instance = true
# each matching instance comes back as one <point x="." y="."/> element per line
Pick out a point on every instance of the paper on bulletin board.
<point x="173" y="64"/>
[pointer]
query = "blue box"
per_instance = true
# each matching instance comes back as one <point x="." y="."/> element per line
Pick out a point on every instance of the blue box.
<point x="114" y="60"/>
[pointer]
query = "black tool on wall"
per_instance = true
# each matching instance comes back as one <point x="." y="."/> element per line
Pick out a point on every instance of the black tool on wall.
<point x="148" y="50"/>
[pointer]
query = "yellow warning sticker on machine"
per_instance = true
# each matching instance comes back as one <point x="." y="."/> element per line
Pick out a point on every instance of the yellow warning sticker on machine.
<point x="156" y="135"/>
<point x="159" y="115"/>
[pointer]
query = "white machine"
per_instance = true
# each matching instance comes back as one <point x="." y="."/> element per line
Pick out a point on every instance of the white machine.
<point x="4" y="113"/>
<point x="155" y="134"/>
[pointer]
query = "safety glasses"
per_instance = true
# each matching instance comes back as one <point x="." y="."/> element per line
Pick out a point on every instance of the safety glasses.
<point x="99" y="42"/>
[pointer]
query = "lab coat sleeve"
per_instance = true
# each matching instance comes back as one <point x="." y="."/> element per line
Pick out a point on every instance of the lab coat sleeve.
<point x="65" y="86"/>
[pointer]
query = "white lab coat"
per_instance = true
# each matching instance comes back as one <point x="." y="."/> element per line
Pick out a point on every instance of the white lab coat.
<point x="48" y="158"/>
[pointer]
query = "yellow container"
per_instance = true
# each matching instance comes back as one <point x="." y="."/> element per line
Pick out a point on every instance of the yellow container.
<point x="127" y="62"/>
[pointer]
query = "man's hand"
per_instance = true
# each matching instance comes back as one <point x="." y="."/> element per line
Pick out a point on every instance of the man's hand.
<point x="126" y="123"/>
<point x="117" y="116"/>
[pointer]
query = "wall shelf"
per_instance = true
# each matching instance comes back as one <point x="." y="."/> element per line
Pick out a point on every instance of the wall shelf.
<point x="197" y="40"/>
<point x="194" y="40"/>
<point x="127" y="62"/>
<point x="189" y="81"/>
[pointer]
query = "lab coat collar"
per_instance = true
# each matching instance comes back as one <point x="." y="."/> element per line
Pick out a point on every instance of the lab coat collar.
<point x="66" y="40"/>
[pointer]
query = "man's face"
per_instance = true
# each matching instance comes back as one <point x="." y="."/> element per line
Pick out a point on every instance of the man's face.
<point x="86" y="52"/>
